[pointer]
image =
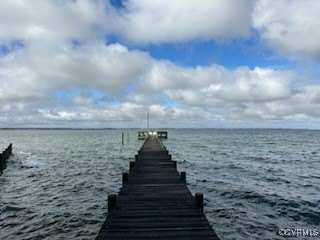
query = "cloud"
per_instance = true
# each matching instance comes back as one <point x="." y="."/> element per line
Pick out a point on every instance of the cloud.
<point x="261" y="94"/>
<point x="289" y="27"/>
<point x="159" y="21"/>
<point x="58" y="48"/>
<point x="31" y="72"/>
<point x="131" y="82"/>
<point x="218" y="83"/>
<point x="53" y="21"/>
<point x="139" y="21"/>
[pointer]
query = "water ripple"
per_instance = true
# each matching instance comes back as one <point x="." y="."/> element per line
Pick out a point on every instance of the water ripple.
<point x="255" y="181"/>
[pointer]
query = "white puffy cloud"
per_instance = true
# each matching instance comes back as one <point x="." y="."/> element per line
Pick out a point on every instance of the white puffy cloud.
<point x="290" y="27"/>
<point x="158" y="21"/>
<point x="218" y="83"/>
<point x="139" y="21"/>
<point x="54" y="20"/>
<point x="30" y="73"/>
<point x="261" y="94"/>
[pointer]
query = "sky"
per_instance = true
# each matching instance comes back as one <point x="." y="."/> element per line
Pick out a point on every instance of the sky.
<point x="191" y="64"/>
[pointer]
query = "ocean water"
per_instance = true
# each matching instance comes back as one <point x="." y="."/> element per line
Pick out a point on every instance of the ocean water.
<point x="255" y="181"/>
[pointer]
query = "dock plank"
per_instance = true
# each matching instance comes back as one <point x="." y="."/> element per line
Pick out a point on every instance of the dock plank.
<point x="155" y="203"/>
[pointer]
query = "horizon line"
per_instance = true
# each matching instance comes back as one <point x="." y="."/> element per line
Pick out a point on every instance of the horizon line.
<point x="157" y="128"/>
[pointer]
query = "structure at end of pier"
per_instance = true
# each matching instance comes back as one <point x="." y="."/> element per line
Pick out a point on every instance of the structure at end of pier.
<point x="143" y="135"/>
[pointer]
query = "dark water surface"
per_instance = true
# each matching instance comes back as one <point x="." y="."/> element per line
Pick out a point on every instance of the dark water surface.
<point x="255" y="181"/>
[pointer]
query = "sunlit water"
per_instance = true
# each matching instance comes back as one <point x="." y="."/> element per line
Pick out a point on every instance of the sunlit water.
<point x="254" y="181"/>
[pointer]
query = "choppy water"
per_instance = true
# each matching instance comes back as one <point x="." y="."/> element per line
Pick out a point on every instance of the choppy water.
<point x="255" y="181"/>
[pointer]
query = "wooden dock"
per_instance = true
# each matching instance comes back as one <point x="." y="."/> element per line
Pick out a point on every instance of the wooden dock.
<point x="4" y="157"/>
<point x="154" y="202"/>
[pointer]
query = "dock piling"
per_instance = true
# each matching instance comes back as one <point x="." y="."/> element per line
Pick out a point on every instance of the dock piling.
<point x="132" y="165"/>
<point x="112" y="202"/>
<point x="10" y="148"/>
<point x="4" y="155"/>
<point x="183" y="176"/>
<point x="1" y="162"/>
<point x="198" y="199"/>
<point x="122" y="138"/>
<point x="174" y="164"/>
<point x="125" y="177"/>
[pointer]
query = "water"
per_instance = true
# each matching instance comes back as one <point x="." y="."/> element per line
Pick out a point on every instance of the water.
<point x="255" y="181"/>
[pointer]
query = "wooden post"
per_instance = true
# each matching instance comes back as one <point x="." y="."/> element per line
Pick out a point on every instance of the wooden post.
<point x="174" y="164"/>
<point x="125" y="177"/>
<point x="132" y="165"/>
<point x="4" y="157"/>
<point x="183" y="176"/>
<point x="10" y="148"/>
<point x="122" y="138"/>
<point x="170" y="158"/>
<point x="112" y="202"/>
<point x="1" y="162"/>
<point x="136" y="157"/>
<point x="198" y="200"/>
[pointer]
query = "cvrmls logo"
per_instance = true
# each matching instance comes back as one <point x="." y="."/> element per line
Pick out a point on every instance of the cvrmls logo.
<point x="299" y="232"/>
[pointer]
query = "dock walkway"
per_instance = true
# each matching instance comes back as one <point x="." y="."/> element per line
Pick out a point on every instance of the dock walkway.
<point x="154" y="202"/>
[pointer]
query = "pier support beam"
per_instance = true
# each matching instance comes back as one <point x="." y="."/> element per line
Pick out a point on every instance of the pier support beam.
<point x="112" y="202"/>
<point x="136" y="157"/>
<point x="198" y="200"/>
<point x="125" y="177"/>
<point x="183" y="176"/>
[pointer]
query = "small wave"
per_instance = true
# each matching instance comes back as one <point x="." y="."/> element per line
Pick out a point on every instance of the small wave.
<point x="311" y="217"/>
<point x="258" y="158"/>
<point x="10" y="208"/>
